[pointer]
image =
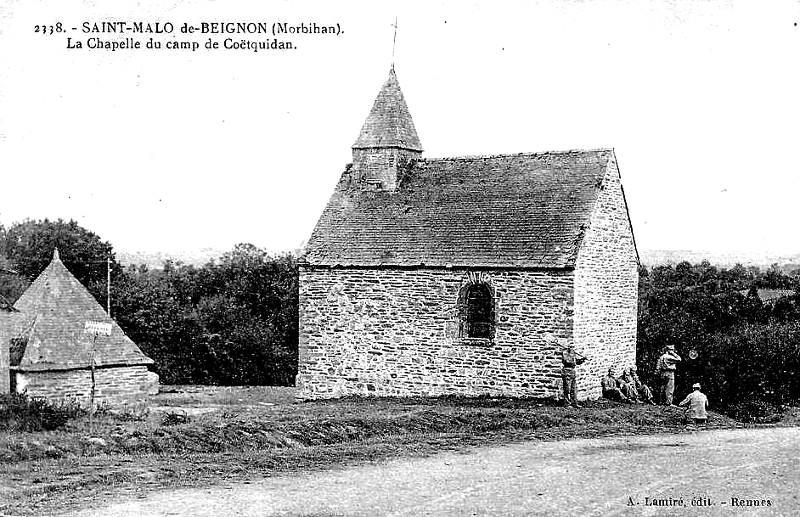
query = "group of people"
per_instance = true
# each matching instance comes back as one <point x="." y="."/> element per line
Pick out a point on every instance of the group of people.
<point x="629" y="388"/>
<point x="626" y="388"/>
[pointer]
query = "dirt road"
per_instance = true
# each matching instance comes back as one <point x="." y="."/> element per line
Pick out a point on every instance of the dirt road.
<point x="701" y="473"/>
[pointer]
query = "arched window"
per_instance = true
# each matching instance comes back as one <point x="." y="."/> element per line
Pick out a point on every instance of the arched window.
<point x="477" y="314"/>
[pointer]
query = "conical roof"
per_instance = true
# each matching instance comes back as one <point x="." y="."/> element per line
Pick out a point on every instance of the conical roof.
<point x="389" y="124"/>
<point x="56" y="308"/>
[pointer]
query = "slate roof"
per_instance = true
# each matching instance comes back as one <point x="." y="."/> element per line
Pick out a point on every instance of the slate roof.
<point x="56" y="308"/>
<point x="520" y="210"/>
<point x="389" y="123"/>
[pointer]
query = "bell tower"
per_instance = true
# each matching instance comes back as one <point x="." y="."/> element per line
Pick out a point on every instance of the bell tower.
<point x="388" y="139"/>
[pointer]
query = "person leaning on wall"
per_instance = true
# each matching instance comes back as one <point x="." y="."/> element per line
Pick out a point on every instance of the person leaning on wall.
<point x="570" y="359"/>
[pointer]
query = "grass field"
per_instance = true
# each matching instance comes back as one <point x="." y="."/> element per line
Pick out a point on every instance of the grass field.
<point x="196" y="436"/>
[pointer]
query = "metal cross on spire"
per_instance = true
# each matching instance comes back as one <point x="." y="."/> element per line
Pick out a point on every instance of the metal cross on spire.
<point x="394" y="41"/>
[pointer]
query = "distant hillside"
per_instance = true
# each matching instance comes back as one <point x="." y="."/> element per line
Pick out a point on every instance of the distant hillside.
<point x="156" y="259"/>
<point x="722" y="259"/>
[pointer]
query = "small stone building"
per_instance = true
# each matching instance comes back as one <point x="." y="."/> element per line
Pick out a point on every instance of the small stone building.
<point x="52" y="347"/>
<point x="438" y="276"/>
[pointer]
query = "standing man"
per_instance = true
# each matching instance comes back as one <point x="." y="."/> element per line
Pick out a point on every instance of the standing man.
<point x="666" y="366"/>
<point x="569" y="360"/>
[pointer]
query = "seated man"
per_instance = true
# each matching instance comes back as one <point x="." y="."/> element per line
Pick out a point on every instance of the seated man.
<point x="611" y="389"/>
<point x="644" y="391"/>
<point x="628" y="386"/>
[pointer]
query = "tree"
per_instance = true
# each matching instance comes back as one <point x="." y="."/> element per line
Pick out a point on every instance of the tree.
<point x="251" y="309"/>
<point x="775" y="278"/>
<point x="12" y="285"/>
<point x="746" y="352"/>
<point x="29" y="246"/>
<point x="233" y="321"/>
<point x="149" y="310"/>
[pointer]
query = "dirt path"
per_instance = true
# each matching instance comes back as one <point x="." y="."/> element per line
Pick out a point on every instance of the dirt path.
<point x="579" y="477"/>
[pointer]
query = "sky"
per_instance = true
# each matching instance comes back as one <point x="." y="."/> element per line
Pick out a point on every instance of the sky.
<point x="177" y="150"/>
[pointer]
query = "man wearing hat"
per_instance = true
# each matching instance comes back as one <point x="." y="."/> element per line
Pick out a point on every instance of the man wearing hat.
<point x="569" y="360"/>
<point x="696" y="404"/>
<point x="666" y="367"/>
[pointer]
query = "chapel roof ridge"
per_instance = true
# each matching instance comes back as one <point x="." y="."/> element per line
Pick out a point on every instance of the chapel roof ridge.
<point x="428" y="159"/>
<point x="507" y="155"/>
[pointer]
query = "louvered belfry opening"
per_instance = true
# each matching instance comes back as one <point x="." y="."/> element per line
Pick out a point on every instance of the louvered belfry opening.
<point x="478" y="321"/>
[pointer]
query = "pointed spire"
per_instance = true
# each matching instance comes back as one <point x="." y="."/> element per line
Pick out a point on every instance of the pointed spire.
<point x="389" y="123"/>
<point x="55" y="255"/>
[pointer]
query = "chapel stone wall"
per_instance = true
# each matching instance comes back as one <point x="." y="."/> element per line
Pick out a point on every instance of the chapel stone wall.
<point x="396" y="332"/>
<point x="606" y="289"/>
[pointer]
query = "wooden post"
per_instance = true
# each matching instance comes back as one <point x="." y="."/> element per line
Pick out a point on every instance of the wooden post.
<point x="94" y="328"/>
<point x="91" y="393"/>
<point x="108" y="284"/>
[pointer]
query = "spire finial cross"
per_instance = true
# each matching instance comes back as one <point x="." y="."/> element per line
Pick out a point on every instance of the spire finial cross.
<point x="394" y="41"/>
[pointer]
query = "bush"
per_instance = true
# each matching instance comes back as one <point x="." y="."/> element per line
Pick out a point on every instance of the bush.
<point x="746" y="353"/>
<point x="755" y="411"/>
<point x="230" y="322"/>
<point x="18" y="412"/>
<point x="175" y="418"/>
<point x="136" y="412"/>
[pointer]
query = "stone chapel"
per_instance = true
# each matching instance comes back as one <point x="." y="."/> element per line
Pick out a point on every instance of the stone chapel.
<point x="465" y="275"/>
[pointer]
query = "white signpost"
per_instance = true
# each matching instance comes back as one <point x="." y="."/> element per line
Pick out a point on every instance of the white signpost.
<point x="97" y="327"/>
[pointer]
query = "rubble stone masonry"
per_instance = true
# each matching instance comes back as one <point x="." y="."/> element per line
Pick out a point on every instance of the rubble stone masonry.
<point x="112" y="385"/>
<point x="606" y="289"/>
<point x="395" y="332"/>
